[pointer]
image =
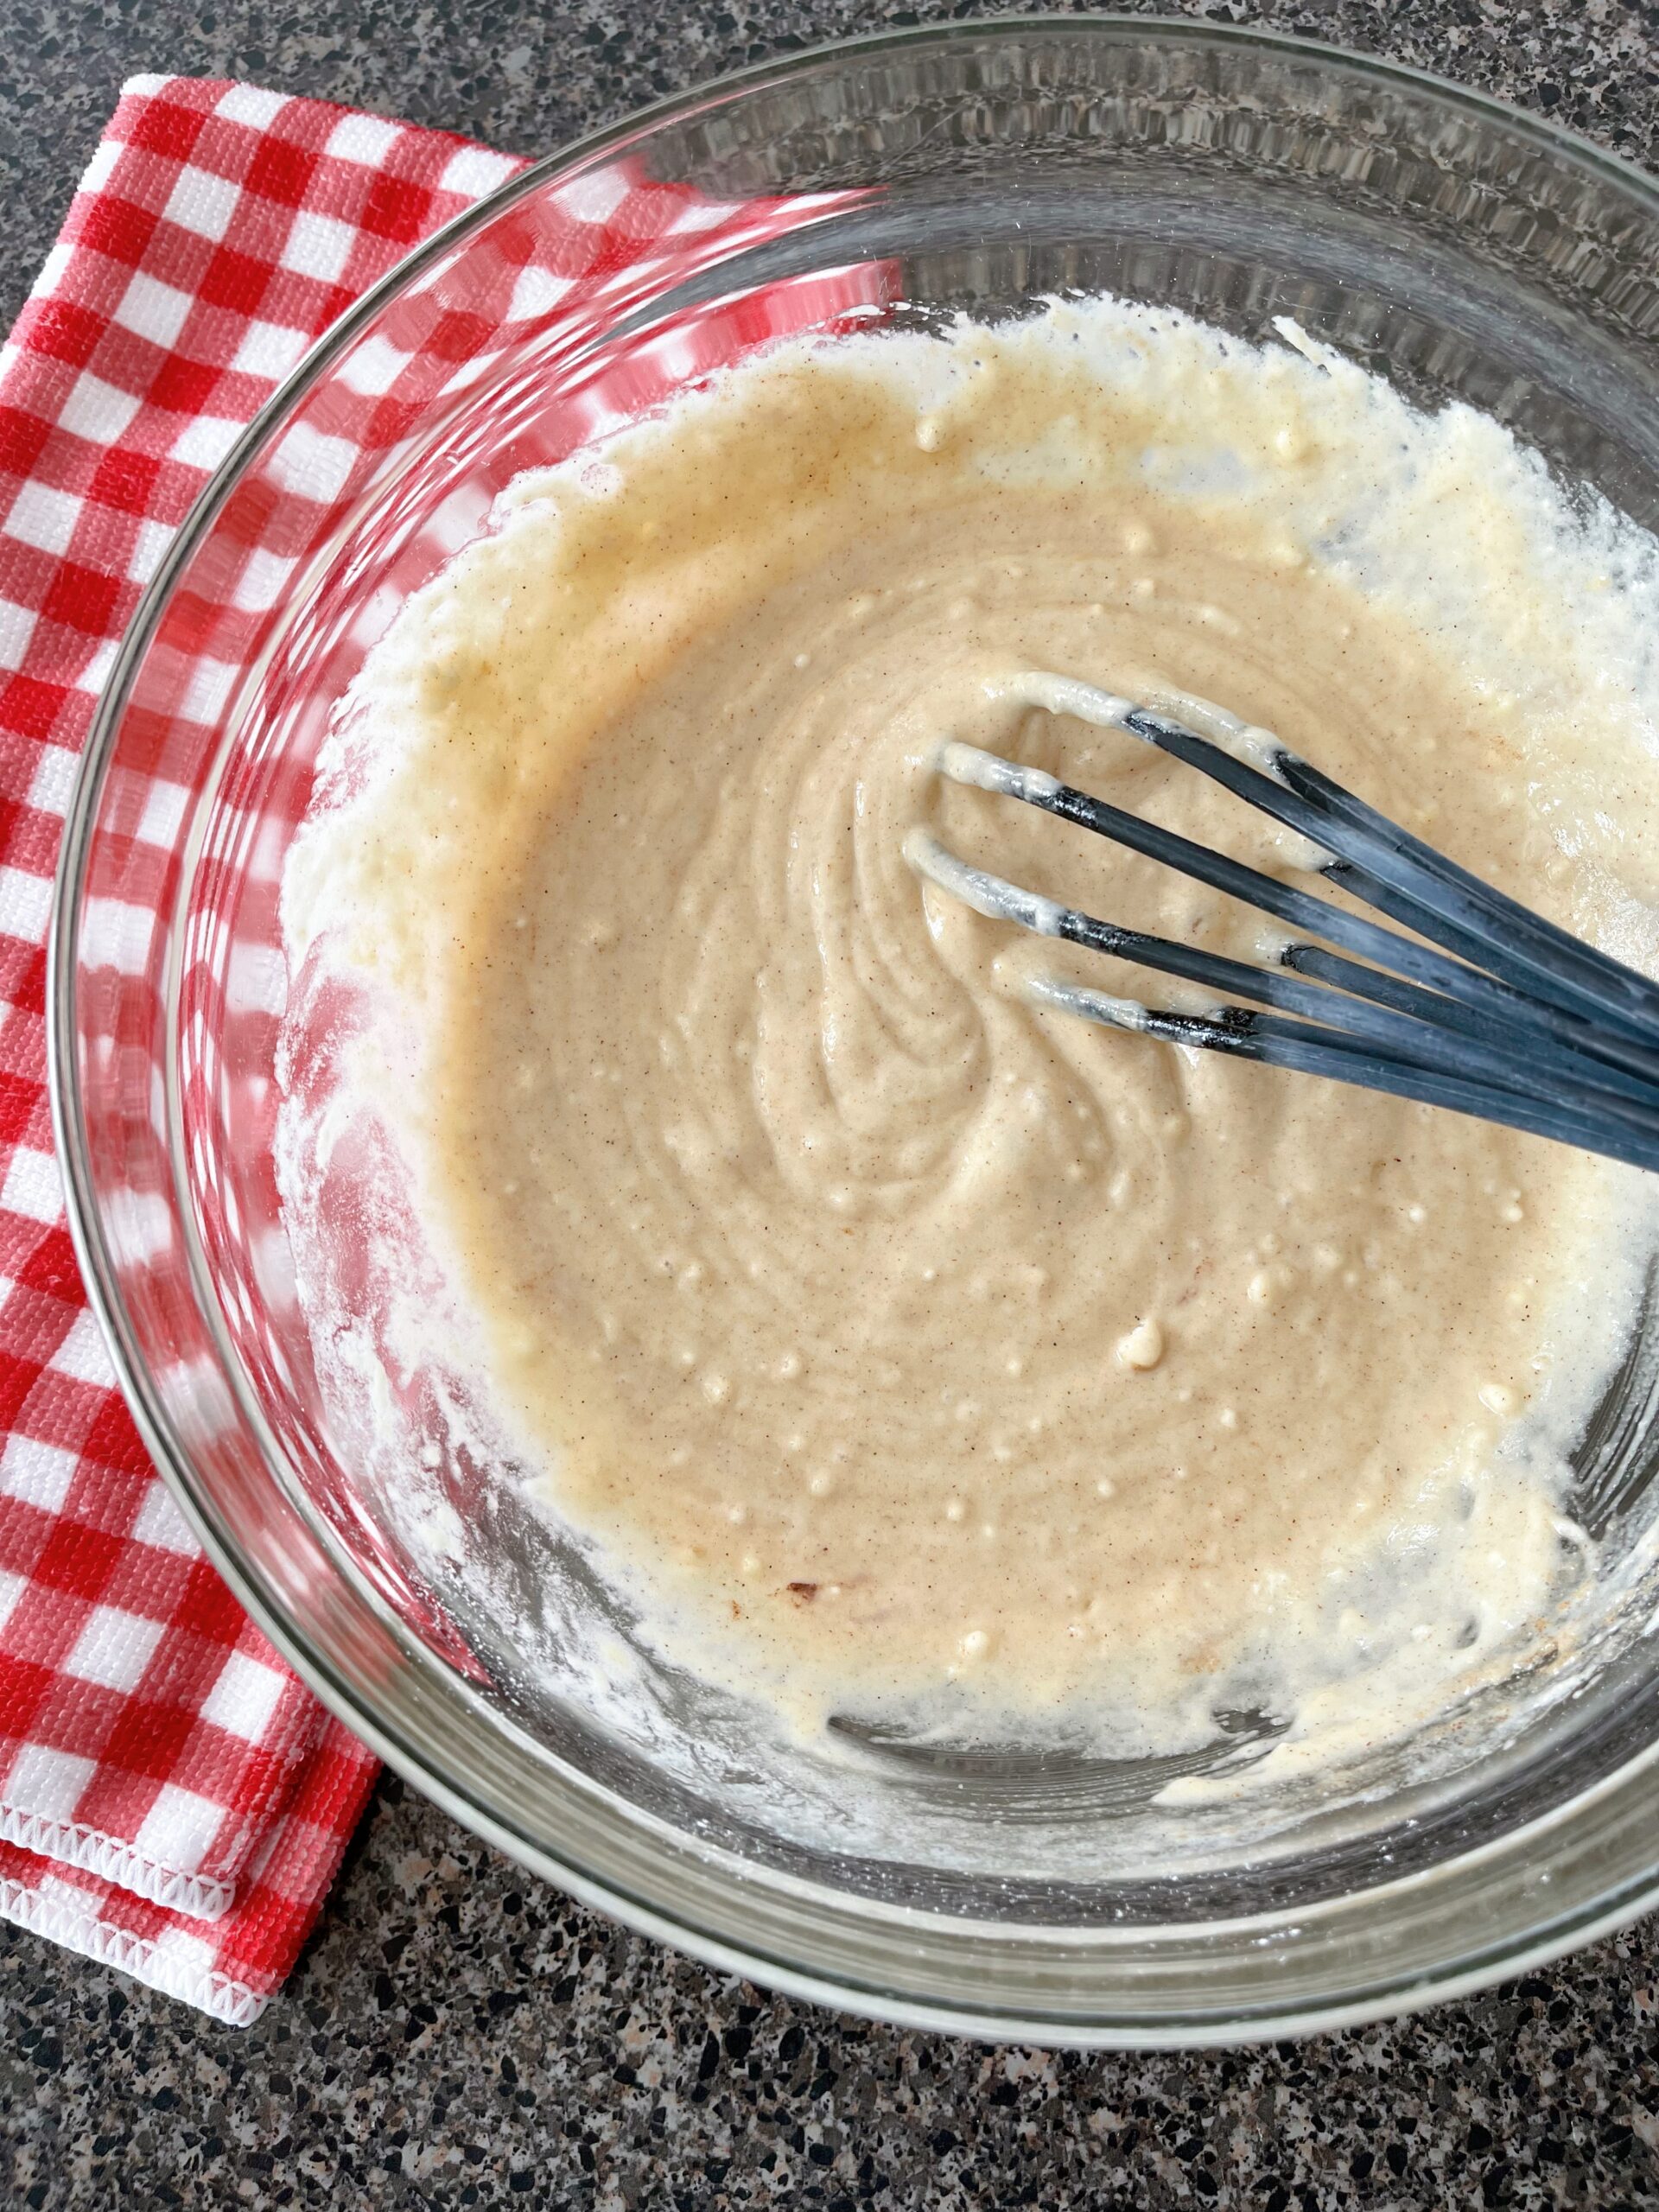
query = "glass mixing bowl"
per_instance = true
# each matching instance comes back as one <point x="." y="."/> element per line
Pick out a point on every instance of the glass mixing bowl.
<point x="1465" y="251"/>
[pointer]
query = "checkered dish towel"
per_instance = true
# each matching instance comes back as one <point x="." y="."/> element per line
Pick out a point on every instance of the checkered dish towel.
<point x="172" y="1800"/>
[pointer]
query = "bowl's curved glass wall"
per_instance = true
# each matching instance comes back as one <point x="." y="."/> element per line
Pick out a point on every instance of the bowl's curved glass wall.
<point x="1466" y="254"/>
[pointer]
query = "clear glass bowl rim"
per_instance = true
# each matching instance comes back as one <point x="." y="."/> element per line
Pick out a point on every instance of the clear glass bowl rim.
<point x="861" y="1992"/>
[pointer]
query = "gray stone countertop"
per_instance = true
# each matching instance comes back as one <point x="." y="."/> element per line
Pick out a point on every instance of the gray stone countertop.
<point x="459" y="2034"/>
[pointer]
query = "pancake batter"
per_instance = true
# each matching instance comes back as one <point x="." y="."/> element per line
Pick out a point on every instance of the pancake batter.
<point x="900" y="1339"/>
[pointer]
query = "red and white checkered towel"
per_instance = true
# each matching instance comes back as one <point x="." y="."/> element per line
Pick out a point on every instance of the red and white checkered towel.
<point x="171" y="1799"/>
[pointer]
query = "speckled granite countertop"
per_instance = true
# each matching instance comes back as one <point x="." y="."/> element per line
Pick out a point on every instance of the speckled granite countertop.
<point x="458" y="2034"/>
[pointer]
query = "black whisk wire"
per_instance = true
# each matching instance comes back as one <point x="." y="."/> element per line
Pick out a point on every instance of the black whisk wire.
<point x="1487" y="1009"/>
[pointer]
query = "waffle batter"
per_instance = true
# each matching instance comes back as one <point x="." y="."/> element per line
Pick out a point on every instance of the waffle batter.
<point x="898" y="1341"/>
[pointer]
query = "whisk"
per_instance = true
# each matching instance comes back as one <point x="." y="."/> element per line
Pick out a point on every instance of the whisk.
<point x="1486" y="1008"/>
